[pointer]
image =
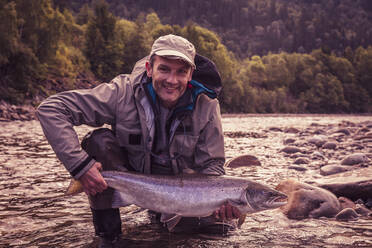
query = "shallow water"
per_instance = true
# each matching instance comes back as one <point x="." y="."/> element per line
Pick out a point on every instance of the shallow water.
<point x="35" y="213"/>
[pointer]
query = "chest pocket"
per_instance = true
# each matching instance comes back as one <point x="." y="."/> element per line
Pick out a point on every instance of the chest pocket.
<point x="130" y="136"/>
<point x="185" y="144"/>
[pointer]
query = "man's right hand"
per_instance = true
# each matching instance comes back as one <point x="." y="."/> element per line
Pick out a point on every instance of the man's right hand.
<point x="93" y="181"/>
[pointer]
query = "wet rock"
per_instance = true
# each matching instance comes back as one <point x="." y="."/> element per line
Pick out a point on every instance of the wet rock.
<point x="291" y="149"/>
<point x="318" y="140"/>
<point x="362" y="210"/>
<point x="356" y="158"/>
<point x="275" y="129"/>
<point x="289" y="141"/>
<point x="359" y="201"/>
<point x="297" y="168"/>
<point x="346" y="203"/>
<point x="332" y="169"/>
<point x="292" y="130"/>
<point x="305" y="201"/>
<point x="365" y="136"/>
<point x="353" y="184"/>
<point x="344" y="131"/>
<point x="369" y="203"/>
<point x="347" y="214"/>
<point x="301" y="161"/>
<point x="317" y="155"/>
<point x="243" y="161"/>
<point x="329" y="145"/>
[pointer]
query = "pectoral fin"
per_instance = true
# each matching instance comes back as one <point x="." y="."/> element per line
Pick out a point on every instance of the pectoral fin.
<point x="241" y="220"/>
<point x="170" y="220"/>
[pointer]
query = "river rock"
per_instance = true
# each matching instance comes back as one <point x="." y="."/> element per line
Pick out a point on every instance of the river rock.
<point x="289" y="141"/>
<point x="347" y="214"/>
<point x="292" y="130"/>
<point x="331" y="169"/>
<point x="317" y="155"/>
<point x="362" y="210"/>
<point x="318" y="140"/>
<point x="344" y="131"/>
<point x="356" y="158"/>
<point x="297" y="168"/>
<point x="243" y="161"/>
<point x="305" y="201"/>
<point x="291" y="149"/>
<point x="365" y="136"/>
<point x="329" y="145"/>
<point x="275" y="129"/>
<point x="346" y="203"/>
<point x="301" y="161"/>
<point x="353" y="184"/>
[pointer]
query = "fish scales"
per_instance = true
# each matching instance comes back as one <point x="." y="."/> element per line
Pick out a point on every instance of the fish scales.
<point x="185" y="195"/>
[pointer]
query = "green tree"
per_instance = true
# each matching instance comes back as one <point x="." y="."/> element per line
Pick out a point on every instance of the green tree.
<point x="103" y="48"/>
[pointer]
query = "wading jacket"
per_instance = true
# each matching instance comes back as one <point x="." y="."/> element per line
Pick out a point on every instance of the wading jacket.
<point x="195" y="132"/>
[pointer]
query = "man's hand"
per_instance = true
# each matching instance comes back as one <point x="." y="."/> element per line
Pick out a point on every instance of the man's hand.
<point x="93" y="181"/>
<point x="227" y="212"/>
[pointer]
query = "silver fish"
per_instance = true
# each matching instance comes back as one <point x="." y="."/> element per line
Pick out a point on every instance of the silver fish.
<point x="192" y="195"/>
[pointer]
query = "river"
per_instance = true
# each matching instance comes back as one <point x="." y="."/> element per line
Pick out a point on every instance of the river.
<point x="34" y="212"/>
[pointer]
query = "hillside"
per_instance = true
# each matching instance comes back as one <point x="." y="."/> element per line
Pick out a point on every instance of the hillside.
<point x="257" y="27"/>
<point x="269" y="60"/>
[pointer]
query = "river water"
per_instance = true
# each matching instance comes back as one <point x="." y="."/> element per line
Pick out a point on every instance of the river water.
<point x="34" y="212"/>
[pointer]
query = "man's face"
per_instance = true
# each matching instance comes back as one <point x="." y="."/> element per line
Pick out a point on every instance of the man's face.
<point x="169" y="78"/>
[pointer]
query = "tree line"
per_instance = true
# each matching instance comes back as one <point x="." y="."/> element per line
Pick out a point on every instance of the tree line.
<point x="45" y="42"/>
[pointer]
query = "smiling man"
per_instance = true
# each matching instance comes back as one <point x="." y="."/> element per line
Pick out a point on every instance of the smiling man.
<point x="165" y="119"/>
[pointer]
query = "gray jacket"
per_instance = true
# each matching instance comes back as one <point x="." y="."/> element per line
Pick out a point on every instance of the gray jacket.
<point x="196" y="137"/>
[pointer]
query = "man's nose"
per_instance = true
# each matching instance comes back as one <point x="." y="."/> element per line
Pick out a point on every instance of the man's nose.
<point x="172" y="78"/>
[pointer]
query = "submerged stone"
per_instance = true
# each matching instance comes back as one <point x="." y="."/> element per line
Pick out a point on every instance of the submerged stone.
<point x="353" y="184"/>
<point x="332" y="169"/>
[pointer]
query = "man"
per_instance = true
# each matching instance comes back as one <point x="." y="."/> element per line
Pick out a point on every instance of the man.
<point x="164" y="121"/>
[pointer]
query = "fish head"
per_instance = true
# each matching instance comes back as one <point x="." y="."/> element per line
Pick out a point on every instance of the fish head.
<point x="261" y="197"/>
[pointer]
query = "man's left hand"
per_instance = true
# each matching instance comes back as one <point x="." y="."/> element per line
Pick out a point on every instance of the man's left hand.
<point x="227" y="212"/>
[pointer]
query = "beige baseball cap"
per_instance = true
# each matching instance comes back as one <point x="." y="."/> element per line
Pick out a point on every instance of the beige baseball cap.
<point x="174" y="46"/>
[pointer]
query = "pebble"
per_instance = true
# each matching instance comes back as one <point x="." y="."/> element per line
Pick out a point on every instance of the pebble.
<point x="329" y="145"/>
<point x="289" y="141"/>
<point x="318" y="140"/>
<point x="332" y="169"/>
<point x="301" y="161"/>
<point x="291" y="149"/>
<point x="356" y="158"/>
<point x="347" y="214"/>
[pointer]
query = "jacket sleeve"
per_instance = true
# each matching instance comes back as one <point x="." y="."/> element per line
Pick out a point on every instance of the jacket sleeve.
<point x="210" y="151"/>
<point x="59" y="113"/>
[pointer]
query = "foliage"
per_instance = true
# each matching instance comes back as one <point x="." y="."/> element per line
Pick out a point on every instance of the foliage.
<point x="275" y="69"/>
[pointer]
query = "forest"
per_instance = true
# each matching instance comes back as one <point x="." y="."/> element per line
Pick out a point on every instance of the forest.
<point x="274" y="56"/>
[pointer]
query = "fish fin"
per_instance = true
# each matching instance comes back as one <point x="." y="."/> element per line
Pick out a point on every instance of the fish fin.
<point x="241" y="220"/>
<point x="118" y="200"/>
<point x="170" y="220"/>
<point x="74" y="188"/>
<point x="237" y="203"/>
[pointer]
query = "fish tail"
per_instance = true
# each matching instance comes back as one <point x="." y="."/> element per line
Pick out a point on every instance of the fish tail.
<point x="74" y="188"/>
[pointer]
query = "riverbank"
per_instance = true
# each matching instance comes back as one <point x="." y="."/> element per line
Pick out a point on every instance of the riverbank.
<point x="10" y="112"/>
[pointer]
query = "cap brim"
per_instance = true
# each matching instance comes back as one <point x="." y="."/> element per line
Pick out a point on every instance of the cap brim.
<point x="174" y="53"/>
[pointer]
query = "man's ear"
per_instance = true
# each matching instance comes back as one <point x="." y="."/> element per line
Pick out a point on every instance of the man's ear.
<point x="148" y="69"/>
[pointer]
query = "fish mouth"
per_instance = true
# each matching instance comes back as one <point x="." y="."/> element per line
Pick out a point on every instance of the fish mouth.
<point x="278" y="201"/>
